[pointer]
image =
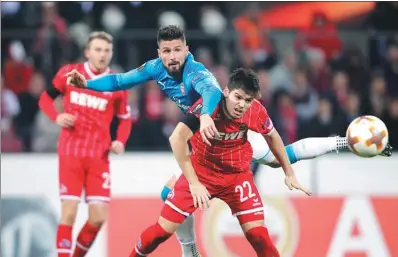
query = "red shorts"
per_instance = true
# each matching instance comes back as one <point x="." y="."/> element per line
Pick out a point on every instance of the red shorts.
<point x="78" y="173"/>
<point x="237" y="190"/>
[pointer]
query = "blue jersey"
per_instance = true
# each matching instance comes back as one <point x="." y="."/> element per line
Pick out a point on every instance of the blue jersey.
<point x="196" y="81"/>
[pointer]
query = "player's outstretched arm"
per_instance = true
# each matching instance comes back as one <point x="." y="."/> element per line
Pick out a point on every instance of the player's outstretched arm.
<point x="262" y="123"/>
<point x="179" y="145"/>
<point x="207" y="86"/>
<point x="277" y="147"/>
<point x="122" y="81"/>
<point x="114" y="82"/>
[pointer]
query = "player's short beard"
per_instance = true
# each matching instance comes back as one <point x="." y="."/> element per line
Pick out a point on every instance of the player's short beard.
<point x="176" y="72"/>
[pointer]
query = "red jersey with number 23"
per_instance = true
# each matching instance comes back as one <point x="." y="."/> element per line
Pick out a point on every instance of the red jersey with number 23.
<point x="94" y="111"/>
<point x="230" y="152"/>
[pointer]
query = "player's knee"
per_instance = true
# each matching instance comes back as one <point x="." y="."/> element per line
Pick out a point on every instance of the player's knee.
<point x="97" y="214"/>
<point x="259" y="238"/>
<point x="167" y="225"/>
<point x="173" y="215"/>
<point x="256" y="235"/>
<point x="97" y="220"/>
<point x="68" y="217"/>
<point x="68" y="211"/>
<point x="247" y="223"/>
<point x="165" y="192"/>
<point x="161" y="234"/>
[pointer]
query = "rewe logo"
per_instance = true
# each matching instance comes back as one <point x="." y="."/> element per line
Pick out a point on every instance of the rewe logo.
<point x="89" y="101"/>
<point x="230" y="136"/>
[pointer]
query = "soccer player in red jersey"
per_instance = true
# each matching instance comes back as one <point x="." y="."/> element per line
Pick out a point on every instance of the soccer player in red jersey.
<point x="222" y="170"/>
<point x="85" y="142"/>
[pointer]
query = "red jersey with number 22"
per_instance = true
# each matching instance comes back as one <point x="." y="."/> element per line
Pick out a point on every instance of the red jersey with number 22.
<point x="230" y="152"/>
<point x="94" y="111"/>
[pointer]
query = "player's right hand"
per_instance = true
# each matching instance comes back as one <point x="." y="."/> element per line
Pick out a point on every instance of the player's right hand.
<point x="117" y="147"/>
<point x="207" y="129"/>
<point x="76" y="79"/>
<point x="66" y="120"/>
<point x="201" y="197"/>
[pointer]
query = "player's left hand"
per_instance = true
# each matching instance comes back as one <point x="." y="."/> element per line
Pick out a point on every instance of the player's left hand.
<point x="117" y="147"/>
<point x="208" y="129"/>
<point x="201" y="197"/>
<point x="292" y="183"/>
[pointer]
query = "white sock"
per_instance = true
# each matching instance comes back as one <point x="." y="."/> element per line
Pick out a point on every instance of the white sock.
<point x="312" y="147"/>
<point x="186" y="236"/>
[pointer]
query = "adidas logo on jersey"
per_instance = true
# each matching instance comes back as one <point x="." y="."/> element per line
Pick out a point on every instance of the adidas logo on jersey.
<point x="230" y="136"/>
<point x="89" y="101"/>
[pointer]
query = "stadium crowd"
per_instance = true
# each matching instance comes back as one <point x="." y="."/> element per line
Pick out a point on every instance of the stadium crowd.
<point x="315" y="88"/>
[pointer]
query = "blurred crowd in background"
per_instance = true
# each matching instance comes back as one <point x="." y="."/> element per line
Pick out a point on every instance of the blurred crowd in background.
<point x="313" y="82"/>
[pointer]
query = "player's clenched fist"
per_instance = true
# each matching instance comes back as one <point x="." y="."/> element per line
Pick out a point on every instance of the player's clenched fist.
<point x="66" y="120"/>
<point x="117" y="147"/>
<point x="76" y="79"/>
<point x="200" y="195"/>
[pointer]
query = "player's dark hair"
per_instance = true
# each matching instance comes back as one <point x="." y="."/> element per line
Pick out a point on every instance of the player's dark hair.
<point x="169" y="33"/>
<point x="245" y="79"/>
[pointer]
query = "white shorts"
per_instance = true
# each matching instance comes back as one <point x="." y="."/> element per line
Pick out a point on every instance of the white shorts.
<point x="261" y="151"/>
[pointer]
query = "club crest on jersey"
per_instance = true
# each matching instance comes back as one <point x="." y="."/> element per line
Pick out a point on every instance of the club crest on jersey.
<point x="182" y="88"/>
<point x="268" y="124"/>
<point x="197" y="109"/>
<point x="171" y="194"/>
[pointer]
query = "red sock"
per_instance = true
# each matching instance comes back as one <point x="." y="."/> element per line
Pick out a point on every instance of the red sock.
<point x="261" y="242"/>
<point x="64" y="240"/>
<point x="85" y="239"/>
<point x="149" y="240"/>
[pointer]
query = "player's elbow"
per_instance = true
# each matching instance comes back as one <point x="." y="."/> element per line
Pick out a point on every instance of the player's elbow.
<point x="180" y="136"/>
<point x="44" y="99"/>
<point x="177" y="139"/>
<point x="174" y="139"/>
<point x="273" y="136"/>
<point x="212" y="92"/>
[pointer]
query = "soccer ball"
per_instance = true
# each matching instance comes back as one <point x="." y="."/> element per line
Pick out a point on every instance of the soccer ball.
<point x="367" y="136"/>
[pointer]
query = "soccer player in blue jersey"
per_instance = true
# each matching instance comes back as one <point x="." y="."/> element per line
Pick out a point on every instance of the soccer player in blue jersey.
<point x="184" y="80"/>
<point x="176" y="72"/>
